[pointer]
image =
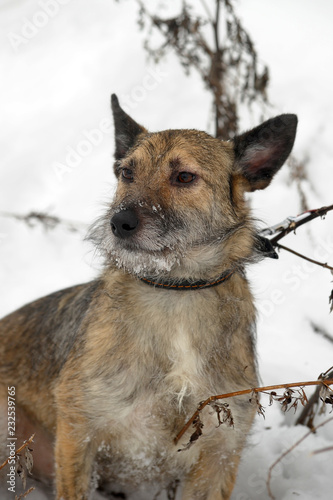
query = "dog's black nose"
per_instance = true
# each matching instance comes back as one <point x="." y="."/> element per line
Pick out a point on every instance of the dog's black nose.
<point x="124" y="223"/>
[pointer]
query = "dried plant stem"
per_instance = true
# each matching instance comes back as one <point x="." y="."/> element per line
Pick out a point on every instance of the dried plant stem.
<point x="46" y="220"/>
<point x="288" y="451"/>
<point x="322" y="331"/>
<point x="25" y="494"/>
<point x="228" y="68"/>
<point x="278" y="245"/>
<point x="322" y="450"/>
<point x="309" y="411"/>
<point x="244" y="392"/>
<point x="24" y="445"/>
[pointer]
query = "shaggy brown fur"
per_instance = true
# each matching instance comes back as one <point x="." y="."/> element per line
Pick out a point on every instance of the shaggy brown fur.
<point x="107" y="373"/>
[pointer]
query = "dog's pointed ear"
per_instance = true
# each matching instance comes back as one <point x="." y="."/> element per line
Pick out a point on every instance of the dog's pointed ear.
<point x="126" y="129"/>
<point x="261" y="152"/>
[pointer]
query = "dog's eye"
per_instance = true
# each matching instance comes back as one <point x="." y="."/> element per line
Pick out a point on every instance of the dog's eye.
<point x="185" y="177"/>
<point x="127" y="174"/>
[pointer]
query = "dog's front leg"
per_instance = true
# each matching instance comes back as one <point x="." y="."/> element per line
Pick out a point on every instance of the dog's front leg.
<point x="74" y="458"/>
<point x="212" y="478"/>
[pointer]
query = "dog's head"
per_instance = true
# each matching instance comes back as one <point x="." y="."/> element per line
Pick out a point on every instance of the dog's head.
<point x="179" y="207"/>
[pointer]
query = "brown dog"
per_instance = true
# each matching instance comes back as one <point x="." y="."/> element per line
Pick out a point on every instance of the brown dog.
<point x="108" y="372"/>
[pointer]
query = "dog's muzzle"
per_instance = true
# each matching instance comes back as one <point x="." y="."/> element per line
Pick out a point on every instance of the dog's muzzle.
<point x="124" y="224"/>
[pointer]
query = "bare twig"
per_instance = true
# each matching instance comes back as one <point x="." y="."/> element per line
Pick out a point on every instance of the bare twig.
<point x="25" y="494"/>
<point x="278" y="245"/>
<point x="288" y="451"/>
<point x="46" y="220"/>
<point x="322" y="450"/>
<point x="323" y="332"/>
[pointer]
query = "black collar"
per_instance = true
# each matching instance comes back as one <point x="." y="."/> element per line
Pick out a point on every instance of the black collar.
<point x="174" y="284"/>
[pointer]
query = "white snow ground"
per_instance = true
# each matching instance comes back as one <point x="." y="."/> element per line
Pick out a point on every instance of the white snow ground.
<point x="58" y="70"/>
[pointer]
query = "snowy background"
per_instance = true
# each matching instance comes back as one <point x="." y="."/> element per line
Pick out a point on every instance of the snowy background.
<point x="57" y="74"/>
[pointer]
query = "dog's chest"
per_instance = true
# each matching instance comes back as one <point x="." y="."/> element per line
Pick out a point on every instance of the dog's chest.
<point x="164" y="355"/>
<point x="159" y="357"/>
<point x="171" y="338"/>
